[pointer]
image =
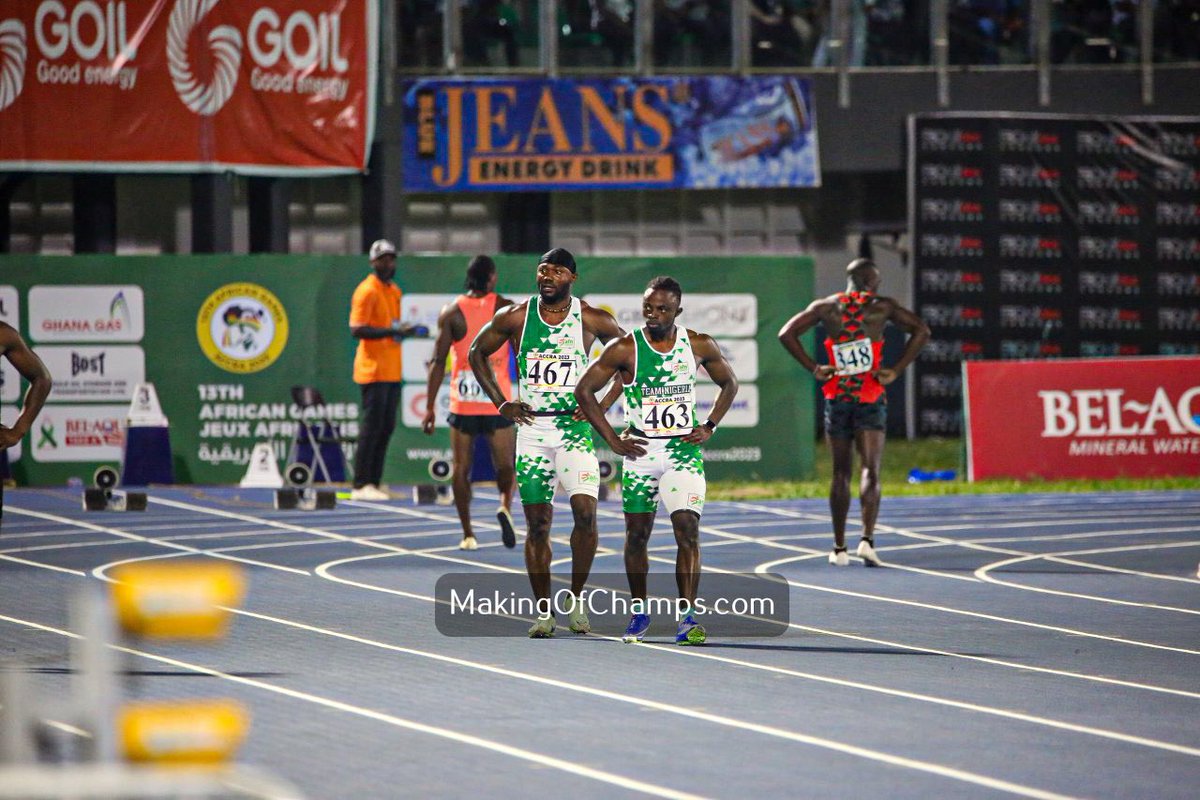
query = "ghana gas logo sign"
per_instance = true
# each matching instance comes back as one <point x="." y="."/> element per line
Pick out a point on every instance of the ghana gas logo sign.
<point x="79" y="79"/>
<point x="73" y="313"/>
<point x="242" y="327"/>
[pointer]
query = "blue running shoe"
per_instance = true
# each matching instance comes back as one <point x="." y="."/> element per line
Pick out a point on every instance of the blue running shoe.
<point x="690" y="632"/>
<point x="638" y="625"/>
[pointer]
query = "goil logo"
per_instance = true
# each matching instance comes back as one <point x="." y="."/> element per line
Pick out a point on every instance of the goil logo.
<point x="13" y="52"/>
<point x="242" y="327"/>
<point x="225" y="42"/>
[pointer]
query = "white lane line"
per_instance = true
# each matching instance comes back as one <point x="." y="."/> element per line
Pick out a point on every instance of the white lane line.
<point x="823" y="631"/>
<point x="287" y="526"/>
<point x="768" y="566"/>
<point x="570" y="767"/>
<point x="325" y="571"/>
<point x="932" y="606"/>
<point x="983" y="573"/>
<point x="1158" y="576"/>
<point x="61" y="546"/>
<point x="716" y="719"/>
<point x="980" y="544"/>
<point x="880" y="598"/>
<point x="133" y="537"/>
<point x="973" y="545"/>
<point x="29" y="563"/>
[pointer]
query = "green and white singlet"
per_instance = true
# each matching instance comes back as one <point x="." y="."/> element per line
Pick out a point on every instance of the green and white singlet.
<point x="555" y="448"/>
<point x="660" y="405"/>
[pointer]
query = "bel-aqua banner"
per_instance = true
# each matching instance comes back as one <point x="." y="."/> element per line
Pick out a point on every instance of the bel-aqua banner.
<point x="491" y="134"/>
<point x="223" y="339"/>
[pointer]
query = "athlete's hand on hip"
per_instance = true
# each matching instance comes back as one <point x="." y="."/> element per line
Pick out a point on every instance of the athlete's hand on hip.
<point x="886" y="376"/>
<point x="516" y="411"/>
<point x="824" y="372"/>
<point x="427" y="422"/>
<point x="8" y="437"/>
<point x="699" y="435"/>
<point x="578" y="415"/>
<point x="628" y="445"/>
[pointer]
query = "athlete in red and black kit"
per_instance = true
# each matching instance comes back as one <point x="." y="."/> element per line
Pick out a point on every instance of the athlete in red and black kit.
<point x="855" y="402"/>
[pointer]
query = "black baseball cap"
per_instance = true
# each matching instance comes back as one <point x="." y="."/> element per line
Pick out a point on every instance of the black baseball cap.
<point x="560" y="256"/>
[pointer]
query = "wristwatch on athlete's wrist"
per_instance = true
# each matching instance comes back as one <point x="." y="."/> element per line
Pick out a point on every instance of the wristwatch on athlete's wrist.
<point x="712" y="426"/>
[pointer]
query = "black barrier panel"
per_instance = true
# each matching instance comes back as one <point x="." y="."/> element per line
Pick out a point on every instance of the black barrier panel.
<point x="1050" y="236"/>
<point x="727" y="605"/>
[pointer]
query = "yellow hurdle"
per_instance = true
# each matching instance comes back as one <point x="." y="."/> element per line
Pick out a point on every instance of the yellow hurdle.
<point x="177" y="599"/>
<point x="185" y="732"/>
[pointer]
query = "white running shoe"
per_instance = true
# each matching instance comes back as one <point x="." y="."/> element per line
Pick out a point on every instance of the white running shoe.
<point x="369" y="492"/>
<point x="468" y="543"/>
<point x="542" y="629"/>
<point x="839" y="558"/>
<point x="867" y="553"/>
<point x="577" y="617"/>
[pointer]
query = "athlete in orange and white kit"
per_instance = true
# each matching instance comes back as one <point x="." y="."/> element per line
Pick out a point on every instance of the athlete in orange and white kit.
<point x="855" y="402"/>
<point x="472" y="414"/>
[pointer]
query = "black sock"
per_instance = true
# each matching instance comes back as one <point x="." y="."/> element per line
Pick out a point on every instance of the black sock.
<point x="839" y="549"/>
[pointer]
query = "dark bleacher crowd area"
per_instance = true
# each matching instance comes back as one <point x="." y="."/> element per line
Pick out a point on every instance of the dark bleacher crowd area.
<point x="795" y="33"/>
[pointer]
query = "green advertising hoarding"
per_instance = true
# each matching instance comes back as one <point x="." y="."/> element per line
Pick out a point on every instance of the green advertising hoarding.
<point x="224" y="338"/>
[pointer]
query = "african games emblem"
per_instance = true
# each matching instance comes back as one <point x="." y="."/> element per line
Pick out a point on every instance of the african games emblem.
<point x="242" y="327"/>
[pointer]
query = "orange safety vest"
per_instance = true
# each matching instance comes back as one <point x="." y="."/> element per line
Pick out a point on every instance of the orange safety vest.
<point x="467" y="397"/>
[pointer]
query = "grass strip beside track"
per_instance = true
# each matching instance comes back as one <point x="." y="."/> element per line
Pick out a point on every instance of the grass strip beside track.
<point x="930" y="455"/>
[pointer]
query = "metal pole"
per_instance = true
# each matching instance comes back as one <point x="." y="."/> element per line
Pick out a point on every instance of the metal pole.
<point x="939" y="40"/>
<point x="740" y="31"/>
<point x="452" y="36"/>
<point x="839" y="56"/>
<point x="1146" y="48"/>
<point x="1041" y="30"/>
<point x="643" y="37"/>
<point x="548" y="39"/>
<point x="94" y="694"/>
<point x="389" y="58"/>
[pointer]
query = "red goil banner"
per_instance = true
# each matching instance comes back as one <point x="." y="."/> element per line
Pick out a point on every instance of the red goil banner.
<point x="1083" y="418"/>
<point x="266" y="87"/>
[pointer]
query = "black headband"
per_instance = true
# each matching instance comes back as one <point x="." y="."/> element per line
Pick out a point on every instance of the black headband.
<point x="560" y="256"/>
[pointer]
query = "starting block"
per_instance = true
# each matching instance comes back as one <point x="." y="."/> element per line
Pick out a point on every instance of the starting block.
<point x="305" y="499"/>
<point x="104" y="497"/>
<point x="428" y="494"/>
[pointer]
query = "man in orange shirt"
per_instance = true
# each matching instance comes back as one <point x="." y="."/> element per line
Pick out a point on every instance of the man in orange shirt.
<point x="472" y="413"/>
<point x="375" y="322"/>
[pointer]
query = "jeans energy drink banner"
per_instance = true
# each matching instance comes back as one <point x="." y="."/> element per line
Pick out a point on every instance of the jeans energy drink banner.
<point x="224" y="338"/>
<point x="491" y="134"/>
<point x="1044" y="237"/>
<point x="258" y="87"/>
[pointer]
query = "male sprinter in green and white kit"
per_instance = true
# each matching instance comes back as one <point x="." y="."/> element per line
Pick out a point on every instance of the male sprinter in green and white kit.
<point x="657" y="363"/>
<point x="551" y="333"/>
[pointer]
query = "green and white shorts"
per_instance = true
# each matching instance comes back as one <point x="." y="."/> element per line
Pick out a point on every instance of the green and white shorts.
<point x="671" y="469"/>
<point x="556" y="451"/>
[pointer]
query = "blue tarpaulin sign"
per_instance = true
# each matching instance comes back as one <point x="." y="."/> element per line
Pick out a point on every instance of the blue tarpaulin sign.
<point x="492" y="134"/>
